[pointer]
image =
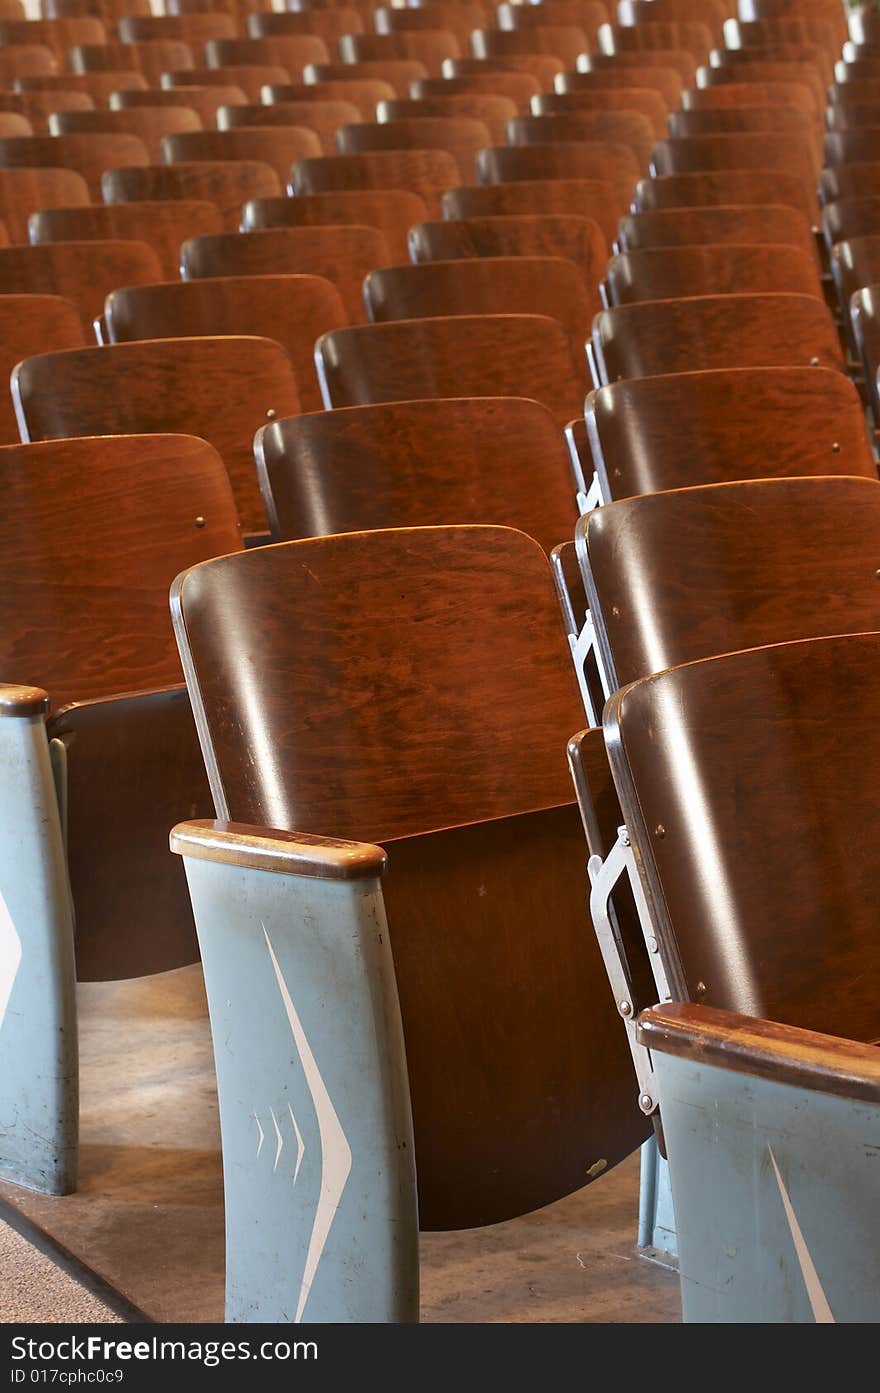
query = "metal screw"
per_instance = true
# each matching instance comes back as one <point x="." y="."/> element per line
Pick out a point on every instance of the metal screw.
<point x="646" y="1102"/>
<point x="653" y="946"/>
<point x="625" y="1008"/>
<point x="814" y="362"/>
<point x="835" y="448"/>
<point x="271" y="414"/>
<point x="660" y="831"/>
<point x="200" y="522"/>
<point x="614" y="610"/>
<point x="700" y="989"/>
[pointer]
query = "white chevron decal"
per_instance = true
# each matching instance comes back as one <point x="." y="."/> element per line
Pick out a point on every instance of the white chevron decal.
<point x="816" y="1296"/>
<point x="10" y="957"/>
<point x="262" y="1134"/>
<point x="300" y="1144"/>
<point x="336" y="1156"/>
<point x="279" y="1144"/>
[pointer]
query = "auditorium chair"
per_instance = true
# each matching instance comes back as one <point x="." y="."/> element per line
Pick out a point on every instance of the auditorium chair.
<point x="726" y="186"/>
<point x="250" y="77"/>
<point x="589" y="14"/>
<point x="320" y="117"/>
<point x="485" y="285"/>
<point x="26" y="60"/>
<point x="395" y="74"/>
<point x="56" y="34"/>
<point x="343" y="255"/>
<point x="691" y="36"/>
<point x="292" y="309"/>
<point x="712" y="13"/>
<point x="587" y="198"/>
<point x="391" y="211"/>
<point x="852" y="116"/>
<point x="790" y="96"/>
<point x="37" y="107"/>
<point x="92" y="791"/>
<point x="828" y="10"/>
<point x="510" y="355"/>
<point x="12" y="124"/>
<point x="575" y="159"/>
<point x="192" y="29"/>
<point x="459" y="136"/>
<point x="88" y="155"/>
<point x="620" y="78"/>
<point x="713" y="331"/>
<point x="228" y="184"/>
<point x="221" y="388"/>
<point x="149" y="124"/>
<point x="205" y="101"/>
<point x="765" y="224"/>
<point x="471" y="666"/>
<point x="151" y="58"/>
<point x="852" y="147"/>
<point x="576" y="239"/>
<point x="458" y="18"/>
<point x="855" y="263"/>
<point x="849" y="181"/>
<point x="863" y="318"/>
<point x="666" y="273"/>
<point x="644" y="101"/>
<point x="428" y="173"/>
<point x="25" y="191"/>
<point x="80" y="272"/>
<point x="415" y="464"/>
<point x="98" y="86"/>
<point x="429" y="47"/>
<point x="564" y="43"/>
<point x="488" y="109"/>
<point x="516" y="87"/>
<point x="733" y="120"/>
<point x="292" y="52"/>
<point x="32" y="324"/>
<point x="700" y="153"/>
<point x="543" y="68"/>
<point x="163" y="225"/>
<point x="794" y="1239"/>
<point x="363" y="94"/>
<point x="767" y="70"/>
<point x="278" y="146"/>
<point x="327" y="24"/>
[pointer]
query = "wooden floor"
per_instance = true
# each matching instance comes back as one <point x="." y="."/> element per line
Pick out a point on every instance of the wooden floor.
<point x="148" y="1216"/>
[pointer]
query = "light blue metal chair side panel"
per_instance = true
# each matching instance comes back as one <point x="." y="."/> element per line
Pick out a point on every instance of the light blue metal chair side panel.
<point x="319" y="1175"/>
<point x="777" y="1195"/>
<point x="39" y="1100"/>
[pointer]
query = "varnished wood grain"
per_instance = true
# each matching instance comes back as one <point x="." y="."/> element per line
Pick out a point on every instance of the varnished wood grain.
<point x="148" y="124"/>
<point x="38" y="106"/>
<point x="712" y="13"/>
<point x="88" y="155"/>
<point x="32" y="324"/>
<point x="591" y="198"/>
<point x="458" y="17"/>
<point x="218" y="388"/>
<point x="715" y="331"/>
<point x="361" y="92"/>
<point x="646" y="101"/>
<point x="428" y="173"/>
<point x="57" y="34"/>
<point x="864" y="318"/>
<point x="163" y="225"/>
<point x="480" y="355"/>
<point x="277" y="146"/>
<point x="610" y="163"/>
<point x="701" y="153"/>
<point x="517" y="87"/>
<point x="343" y="255"/>
<point x="727" y="186"/>
<point x="623" y="75"/>
<point x="392" y="211"/>
<point x="228" y="184"/>
<point x="292" y="52"/>
<point x="689" y="35"/>
<point x="461" y="137"/>
<point x="852" y="147"/>
<point x="665" y="273"/>
<point x="26" y="60"/>
<point x="491" y="111"/>
<point x="396" y="73"/>
<point x="150" y="58"/>
<point x="417" y="463"/>
<point x="788" y="421"/>
<point x="99" y="86"/>
<point x="12" y="124"/>
<point x="849" y="181"/>
<point x="628" y="128"/>
<point x="80" y="272"/>
<point x="196" y="29"/>
<point x="544" y="68"/>
<point x="320" y="117"/>
<point x="792" y="96"/>
<point x="25" y="191"/>
<point x="564" y="42"/>
<point x="250" y="77"/>
<point x="759" y="224"/>
<point x="205" y="101"/>
<point x="292" y="309"/>
<point x="287" y="853"/>
<point x="730" y="120"/>
<point x="326" y="24"/>
<point x="428" y="47"/>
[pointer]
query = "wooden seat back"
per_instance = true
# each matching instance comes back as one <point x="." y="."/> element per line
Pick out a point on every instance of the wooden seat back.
<point x="758" y="224"/>
<point x="228" y="184"/>
<point x="577" y="239"/>
<point x="88" y="155"/>
<point x="428" y="173"/>
<point x="664" y="273"/>
<point x="32" y="324"/>
<point x="462" y="137"/>
<point x="26" y="191"/>
<point x="391" y="211"/>
<point x="724" y="186"/>
<point x="80" y="272"/>
<point x="588" y="198"/>
<point x="164" y="226"/>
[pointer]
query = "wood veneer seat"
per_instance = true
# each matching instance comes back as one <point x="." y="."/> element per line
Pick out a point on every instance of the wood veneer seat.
<point x="702" y="153"/>
<point x="277" y="146"/>
<point x="713" y="331"/>
<point x="149" y="124"/>
<point x="206" y="101"/>
<point x="163" y="225"/>
<point x="645" y="101"/>
<point x="413" y="463"/>
<point x="692" y="36"/>
<point x="218" y="388"/>
<point x="79" y="272"/>
<point x="796" y="96"/>
<point x="250" y="77"/>
<point x="849" y="181"/>
<point x="392" y="211"/>
<point x="321" y="117"/>
<point x="863" y="318"/>
<point x="88" y="155"/>
<point x="592" y="198"/>
<point x="855" y="263"/>
<point x="490" y="110"/>
<point x="461" y="137"/>
<point x="512" y="355"/>
<point x="564" y="42"/>
<point x="852" y="147"/>
<point x="428" y="47"/>
<point x="24" y="191"/>
<point x="610" y="163"/>
<point x="576" y="239"/>
<point x="292" y="309"/>
<point x="86" y="567"/>
<point x="26" y="60"/>
<point x="543" y="285"/>
<point x="292" y="52"/>
<point x="677" y="227"/>
<point x="622" y="76"/>
<point x="725" y="186"/>
<point x="151" y="59"/>
<point x="342" y="255"/>
<point x="851" y="217"/>
<point x="517" y="87"/>
<point x="360" y="92"/>
<point x="396" y="73"/>
<point x="789" y="421"/>
<point x="627" y="128"/>
<point x="99" y="86"/>
<point x="32" y="324"/>
<point x="664" y="273"/>
<point x="228" y="184"/>
<point x="428" y="173"/>
<point x="469" y="615"/>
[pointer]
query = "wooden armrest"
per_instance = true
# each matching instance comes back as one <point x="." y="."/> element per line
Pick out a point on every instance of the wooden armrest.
<point x="288" y="853"/>
<point x="766" y="1049"/>
<point x="23" y="701"/>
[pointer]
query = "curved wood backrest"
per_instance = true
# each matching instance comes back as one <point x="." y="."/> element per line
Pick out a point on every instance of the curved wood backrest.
<point x="543" y="67"/>
<point x="250" y="77"/>
<point x="577" y="239"/>
<point x="662" y="273"/>
<point x="221" y="389"/>
<point x="57" y="34"/>
<point x="590" y="198"/>
<point x="628" y="128"/>
<point x="148" y="124"/>
<point x="427" y="173"/>
<point x="461" y="137"/>
<point x="205" y="101"/>
<point x="12" y="124"/>
<point x="849" y="181"/>
<point x="858" y="91"/>
<point x="714" y="331"/>
<point x="582" y="159"/>
<point x="320" y="117"/>
<point x="864" y="316"/>
<point x="428" y="47"/>
<point x="278" y="146"/>
<point x="623" y="76"/>
<point x="743" y="423"/>
<point x="723" y="567"/>
<point x="723" y="186"/>
<point x="80" y="272"/>
<point x="793" y="96"/>
<point x="363" y="93"/>
<point x="226" y="183"/>
<point x="26" y="191"/>
<point x="491" y="111"/>
<point x="485" y="285"/>
<point x="588" y="14"/>
<point x="163" y="225"/>
<point x="732" y="120"/>
<point x="852" y="116"/>
<point x="691" y="36"/>
<point x="456" y="632"/>
<point x="38" y="106"/>
<point x="458" y="18"/>
<point x="293" y="310"/>
<point x="565" y="43"/>
<point x="86" y="565"/>
<point x="99" y="86"/>
<point x="191" y="28"/>
<point x="852" y="147"/>
<point x="395" y="73"/>
<point x="509" y="355"/>
<point x="392" y="211"/>
<point x="827" y="10"/>
<point x="855" y="263"/>
<point x="26" y="60"/>
<point x="326" y="24"/>
<point x="644" y="101"/>
<point x="342" y="255"/>
<point x="89" y="155"/>
<point x="757" y="224"/>
<point x="150" y="57"/>
<point x="851" y="217"/>
<point x="292" y="52"/>
<point x="772" y="914"/>
<point x="700" y="153"/>
<point x="712" y="13"/>
<point x="417" y="463"/>
<point x="517" y="87"/>
<point x="32" y="324"/>
<point x="781" y="29"/>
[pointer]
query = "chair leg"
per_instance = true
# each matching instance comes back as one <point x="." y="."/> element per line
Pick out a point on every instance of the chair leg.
<point x="39" y="1096"/>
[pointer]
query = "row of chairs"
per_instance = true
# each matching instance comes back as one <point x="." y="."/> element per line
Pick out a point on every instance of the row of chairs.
<point x="453" y="636"/>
